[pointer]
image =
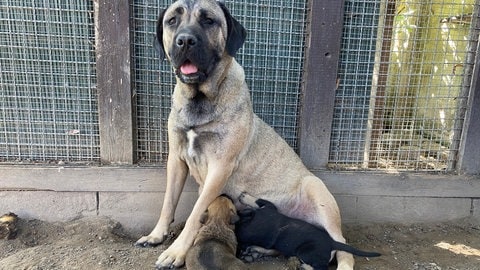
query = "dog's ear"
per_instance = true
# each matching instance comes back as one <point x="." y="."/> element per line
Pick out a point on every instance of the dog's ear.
<point x="236" y="32"/>
<point x="158" y="40"/>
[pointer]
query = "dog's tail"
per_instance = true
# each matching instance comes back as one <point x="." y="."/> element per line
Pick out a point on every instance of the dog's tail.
<point x="354" y="251"/>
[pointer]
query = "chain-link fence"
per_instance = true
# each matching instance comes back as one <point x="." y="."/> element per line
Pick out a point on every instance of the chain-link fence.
<point x="272" y="57"/>
<point x="48" y="107"/>
<point x="404" y="79"/>
<point x="403" y="83"/>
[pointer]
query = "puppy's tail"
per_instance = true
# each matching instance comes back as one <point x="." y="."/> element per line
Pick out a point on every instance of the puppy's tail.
<point x="354" y="251"/>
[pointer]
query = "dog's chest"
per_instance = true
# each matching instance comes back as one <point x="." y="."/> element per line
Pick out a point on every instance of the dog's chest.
<point x="197" y="147"/>
<point x="196" y="111"/>
<point x="193" y="145"/>
<point x="197" y="123"/>
<point x="198" y="143"/>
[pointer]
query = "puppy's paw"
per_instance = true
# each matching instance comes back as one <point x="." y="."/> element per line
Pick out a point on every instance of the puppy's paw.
<point x="150" y="241"/>
<point x="253" y="253"/>
<point x="248" y="256"/>
<point x="263" y="251"/>
<point x="306" y="267"/>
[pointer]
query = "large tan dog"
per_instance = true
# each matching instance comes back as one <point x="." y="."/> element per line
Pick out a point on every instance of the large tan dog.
<point x="216" y="245"/>
<point x="215" y="136"/>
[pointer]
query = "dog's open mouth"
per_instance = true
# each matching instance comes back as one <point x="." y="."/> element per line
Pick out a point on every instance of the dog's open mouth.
<point x="190" y="73"/>
<point x="188" y="68"/>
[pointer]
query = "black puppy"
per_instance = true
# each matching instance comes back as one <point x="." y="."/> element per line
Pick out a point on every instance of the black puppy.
<point x="267" y="228"/>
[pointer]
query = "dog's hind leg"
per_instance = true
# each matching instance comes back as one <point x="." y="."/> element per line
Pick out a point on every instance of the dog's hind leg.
<point x="327" y="215"/>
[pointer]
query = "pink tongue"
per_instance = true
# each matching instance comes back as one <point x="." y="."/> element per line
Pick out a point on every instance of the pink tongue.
<point x="188" y="68"/>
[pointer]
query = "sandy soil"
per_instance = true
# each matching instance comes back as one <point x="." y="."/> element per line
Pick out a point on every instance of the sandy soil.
<point x="100" y="243"/>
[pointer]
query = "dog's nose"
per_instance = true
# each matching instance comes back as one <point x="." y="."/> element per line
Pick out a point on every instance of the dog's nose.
<point x="185" y="40"/>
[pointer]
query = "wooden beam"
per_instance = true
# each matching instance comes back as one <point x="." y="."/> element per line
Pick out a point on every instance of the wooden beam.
<point x="469" y="150"/>
<point x="401" y="184"/>
<point x="149" y="179"/>
<point x="469" y="157"/>
<point x="321" y="64"/>
<point x="112" y="43"/>
<point x="87" y="179"/>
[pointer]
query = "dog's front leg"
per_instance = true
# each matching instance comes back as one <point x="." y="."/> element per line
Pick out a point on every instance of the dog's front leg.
<point x="176" y="174"/>
<point x="174" y="256"/>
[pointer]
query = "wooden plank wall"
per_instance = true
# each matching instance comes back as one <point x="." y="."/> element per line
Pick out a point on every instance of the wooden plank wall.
<point x="112" y="29"/>
<point x="318" y="96"/>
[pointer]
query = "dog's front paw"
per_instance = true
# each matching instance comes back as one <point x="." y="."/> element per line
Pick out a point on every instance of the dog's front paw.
<point x="172" y="257"/>
<point x="150" y="241"/>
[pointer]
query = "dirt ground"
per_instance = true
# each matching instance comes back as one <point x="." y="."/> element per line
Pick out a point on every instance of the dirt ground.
<point x="100" y="243"/>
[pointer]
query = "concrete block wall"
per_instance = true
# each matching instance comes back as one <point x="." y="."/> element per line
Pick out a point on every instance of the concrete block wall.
<point x="133" y="196"/>
<point x="367" y="209"/>
<point x="476" y="208"/>
<point x="138" y="212"/>
<point x="48" y="205"/>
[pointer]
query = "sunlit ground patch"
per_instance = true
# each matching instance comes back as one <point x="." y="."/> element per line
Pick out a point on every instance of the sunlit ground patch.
<point x="459" y="249"/>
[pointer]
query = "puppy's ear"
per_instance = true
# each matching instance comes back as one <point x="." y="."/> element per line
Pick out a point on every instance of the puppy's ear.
<point x="236" y="32"/>
<point x="204" y="217"/>
<point x="246" y="214"/>
<point x="158" y="41"/>
<point x="264" y="203"/>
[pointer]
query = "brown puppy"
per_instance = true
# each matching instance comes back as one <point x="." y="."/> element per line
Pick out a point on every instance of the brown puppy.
<point x="215" y="136"/>
<point x="215" y="245"/>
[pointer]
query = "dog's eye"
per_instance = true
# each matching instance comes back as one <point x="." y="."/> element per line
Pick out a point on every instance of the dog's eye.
<point x="172" y="21"/>
<point x="208" y="21"/>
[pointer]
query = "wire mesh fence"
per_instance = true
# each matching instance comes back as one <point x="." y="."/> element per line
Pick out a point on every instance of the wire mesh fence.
<point x="272" y="57"/>
<point x="48" y="108"/>
<point x="404" y="79"/>
<point x="403" y="83"/>
<point x="153" y="83"/>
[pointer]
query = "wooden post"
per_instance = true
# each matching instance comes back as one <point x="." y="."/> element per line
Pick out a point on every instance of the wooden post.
<point x="112" y="43"/>
<point x="321" y="64"/>
<point x="469" y="150"/>
<point x="378" y="93"/>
